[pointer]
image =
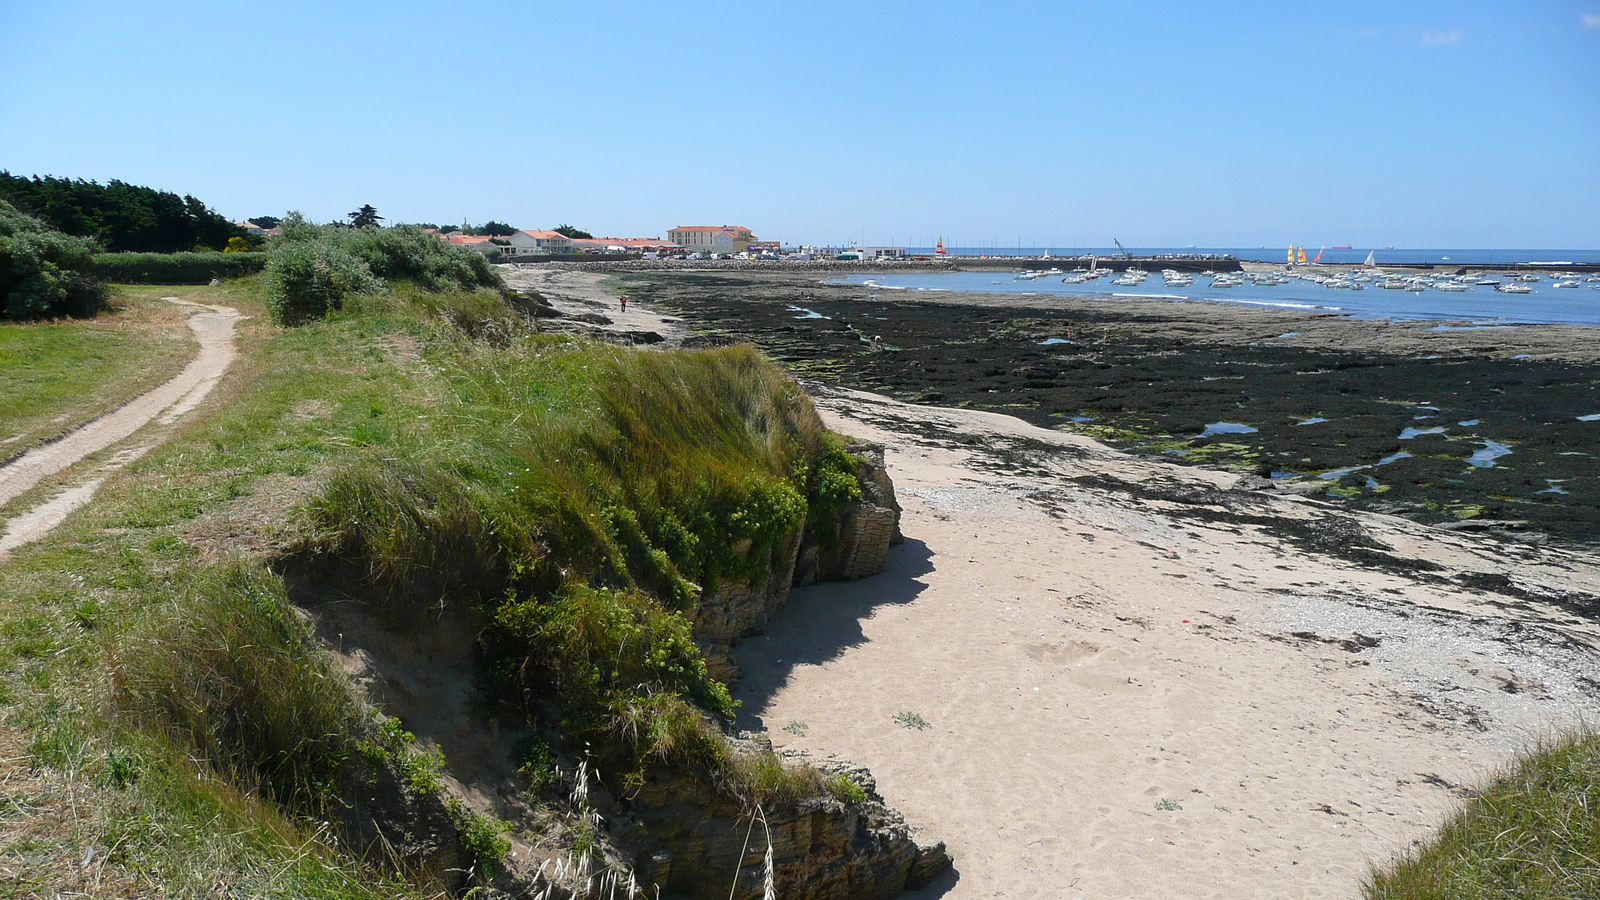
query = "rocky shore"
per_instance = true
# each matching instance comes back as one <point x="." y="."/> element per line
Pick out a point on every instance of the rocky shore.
<point x="1440" y="422"/>
<point x="1105" y="673"/>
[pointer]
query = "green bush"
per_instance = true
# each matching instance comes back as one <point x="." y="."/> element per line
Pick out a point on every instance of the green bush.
<point x="307" y="280"/>
<point x="313" y="270"/>
<point x="197" y="267"/>
<point x="43" y="272"/>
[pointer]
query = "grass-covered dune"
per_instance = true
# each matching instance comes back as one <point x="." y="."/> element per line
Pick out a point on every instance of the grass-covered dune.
<point x="176" y="728"/>
<point x="1532" y="832"/>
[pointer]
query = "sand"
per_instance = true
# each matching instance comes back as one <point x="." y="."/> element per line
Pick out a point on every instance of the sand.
<point x="1123" y="698"/>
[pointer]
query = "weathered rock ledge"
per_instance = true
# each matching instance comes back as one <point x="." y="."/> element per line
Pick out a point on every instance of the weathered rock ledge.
<point x="673" y="832"/>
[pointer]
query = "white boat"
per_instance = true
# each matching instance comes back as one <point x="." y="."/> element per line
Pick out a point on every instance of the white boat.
<point x="1566" y="284"/>
<point x="1512" y="287"/>
<point x="1453" y="287"/>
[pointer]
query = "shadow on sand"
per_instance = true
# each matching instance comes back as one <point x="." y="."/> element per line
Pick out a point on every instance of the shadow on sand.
<point x="819" y="623"/>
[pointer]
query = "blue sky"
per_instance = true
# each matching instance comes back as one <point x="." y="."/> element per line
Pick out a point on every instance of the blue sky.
<point x="1462" y="124"/>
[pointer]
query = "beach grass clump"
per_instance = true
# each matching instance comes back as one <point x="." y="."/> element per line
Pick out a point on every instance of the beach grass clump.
<point x="229" y="672"/>
<point x="581" y="499"/>
<point x="1532" y="832"/>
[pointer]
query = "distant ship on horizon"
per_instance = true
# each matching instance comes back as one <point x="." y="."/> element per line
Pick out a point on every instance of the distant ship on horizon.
<point x="1345" y="247"/>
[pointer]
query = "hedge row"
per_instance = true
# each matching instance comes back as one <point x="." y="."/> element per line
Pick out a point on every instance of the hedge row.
<point x="175" y="268"/>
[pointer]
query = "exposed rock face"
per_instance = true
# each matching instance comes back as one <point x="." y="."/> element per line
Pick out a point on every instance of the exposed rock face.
<point x="703" y="845"/>
<point x="867" y="529"/>
<point x="731" y="610"/>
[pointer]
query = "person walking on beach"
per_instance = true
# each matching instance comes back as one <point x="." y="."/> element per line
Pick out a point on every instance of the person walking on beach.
<point x="624" y="303"/>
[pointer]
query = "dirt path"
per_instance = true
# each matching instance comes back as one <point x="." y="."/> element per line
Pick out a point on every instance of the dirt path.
<point x="170" y="401"/>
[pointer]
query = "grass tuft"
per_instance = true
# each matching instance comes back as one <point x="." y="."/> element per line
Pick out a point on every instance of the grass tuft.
<point x="1533" y="832"/>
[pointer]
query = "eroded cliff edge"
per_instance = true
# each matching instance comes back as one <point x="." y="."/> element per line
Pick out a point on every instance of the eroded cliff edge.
<point x="592" y="835"/>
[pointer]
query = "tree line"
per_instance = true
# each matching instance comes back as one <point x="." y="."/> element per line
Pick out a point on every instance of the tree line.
<point x="120" y="217"/>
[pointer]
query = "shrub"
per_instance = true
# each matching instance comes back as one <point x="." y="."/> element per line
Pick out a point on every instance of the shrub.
<point x="590" y="643"/>
<point x="312" y="270"/>
<point x="197" y="267"/>
<point x="307" y="280"/>
<point x="42" y="271"/>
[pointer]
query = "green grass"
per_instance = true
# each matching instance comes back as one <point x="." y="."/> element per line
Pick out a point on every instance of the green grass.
<point x="1534" y="832"/>
<point x="57" y="375"/>
<point x="574" y="495"/>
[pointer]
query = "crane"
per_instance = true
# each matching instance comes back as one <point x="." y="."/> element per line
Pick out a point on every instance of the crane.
<point x="1122" y="248"/>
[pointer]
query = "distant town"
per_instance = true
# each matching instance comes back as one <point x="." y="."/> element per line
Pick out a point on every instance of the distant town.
<point x="682" y="242"/>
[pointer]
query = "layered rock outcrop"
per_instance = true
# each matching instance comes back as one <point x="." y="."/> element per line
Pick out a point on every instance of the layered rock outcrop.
<point x="859" y="546"/>
<point x="704" y="845"/>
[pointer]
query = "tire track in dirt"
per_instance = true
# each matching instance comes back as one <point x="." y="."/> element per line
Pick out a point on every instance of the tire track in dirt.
<point x="180" y="394"/>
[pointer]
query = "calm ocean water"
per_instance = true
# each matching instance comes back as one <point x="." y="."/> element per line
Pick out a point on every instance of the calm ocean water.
<point x="1481" y="305"/>
<point x="1390" y="255"/>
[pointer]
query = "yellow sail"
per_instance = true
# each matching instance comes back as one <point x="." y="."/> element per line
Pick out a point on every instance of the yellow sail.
<point x="1291" y="254"/>
<point x="1302" y="256"/>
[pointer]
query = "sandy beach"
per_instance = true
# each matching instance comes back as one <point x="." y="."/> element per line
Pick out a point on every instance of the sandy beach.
<point x="1100" y="674"/>
<point x="1123" y="698"/>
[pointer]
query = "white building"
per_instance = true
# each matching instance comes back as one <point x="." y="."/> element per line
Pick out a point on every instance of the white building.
<point x="540" y="242"/>
<point x="712" y="238"/>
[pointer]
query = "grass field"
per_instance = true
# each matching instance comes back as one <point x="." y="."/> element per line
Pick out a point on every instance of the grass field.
<point x="185" y="728"/>
<point x="56" y="376"/>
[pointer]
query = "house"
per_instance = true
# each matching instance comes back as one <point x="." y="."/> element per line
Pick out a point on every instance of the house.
<point x="712" y="238"/>
<point x="540" y="242"/>
<point x="257" y="230"/>
<point x="484" y="244"/>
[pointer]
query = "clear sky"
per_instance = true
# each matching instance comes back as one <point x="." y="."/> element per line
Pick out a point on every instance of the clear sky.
<point x="1417" y="124"/>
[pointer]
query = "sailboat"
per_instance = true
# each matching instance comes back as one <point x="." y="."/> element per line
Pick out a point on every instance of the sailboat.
<point x="1302" y="256"/>
<point x="1291" y="255"/>
<point x="1318" y="260"/>
<point x="938" y="248"/>
<point x="1371" y="263"/>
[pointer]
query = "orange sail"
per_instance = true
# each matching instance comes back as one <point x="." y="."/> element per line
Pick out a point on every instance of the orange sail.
<point x="1291" y="255"/>
<point x="1318" y="260"/>
<point x="938" y="248"/>
<point x="1302" y="255"/>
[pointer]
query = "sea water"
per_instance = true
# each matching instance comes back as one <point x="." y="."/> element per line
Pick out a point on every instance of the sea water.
<point x="1354" y="256"/>
<point x="1484" y="306"/>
